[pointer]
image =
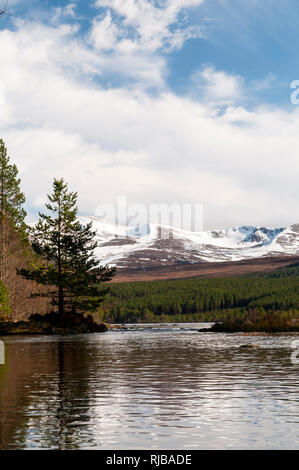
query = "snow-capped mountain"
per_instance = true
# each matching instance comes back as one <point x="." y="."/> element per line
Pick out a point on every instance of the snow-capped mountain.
<point x="152" y="245"/>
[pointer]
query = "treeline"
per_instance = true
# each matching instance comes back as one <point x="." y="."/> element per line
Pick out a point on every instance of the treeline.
<point x="259" y="321"/>
<point x="285" y="272"/>
<point x="202" y="299"/>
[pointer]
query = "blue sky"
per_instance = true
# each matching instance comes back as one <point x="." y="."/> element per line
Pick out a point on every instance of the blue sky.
<point x="160" y="101"/>
<point x="255" y="39"/>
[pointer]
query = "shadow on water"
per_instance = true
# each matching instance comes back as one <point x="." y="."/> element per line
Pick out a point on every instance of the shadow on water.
<point x="148" y="389"/>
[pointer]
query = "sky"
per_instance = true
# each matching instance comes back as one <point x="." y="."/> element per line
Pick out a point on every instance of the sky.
<point x="160" y="101"/>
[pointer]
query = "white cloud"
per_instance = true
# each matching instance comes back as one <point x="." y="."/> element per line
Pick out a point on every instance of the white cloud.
<point x="133" y="37"/>
<point x="217" y="86"/>
<point x="64" y="12"/>
<point x="104" y="33"/>
<point x="242" y="164"/>
<point x="149" y="25"/>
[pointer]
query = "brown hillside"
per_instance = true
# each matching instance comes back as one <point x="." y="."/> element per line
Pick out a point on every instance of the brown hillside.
<point x="206" y="270"/>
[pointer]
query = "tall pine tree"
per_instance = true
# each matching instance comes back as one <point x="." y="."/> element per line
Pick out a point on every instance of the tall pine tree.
<point x="72" y="273"/>
<point x="12" y="199"/>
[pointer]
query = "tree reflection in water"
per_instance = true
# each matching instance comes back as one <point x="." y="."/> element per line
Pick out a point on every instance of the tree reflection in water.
<point x="44" y="394"/>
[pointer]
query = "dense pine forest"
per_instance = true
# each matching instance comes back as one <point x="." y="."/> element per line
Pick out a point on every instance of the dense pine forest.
<point x="203" y="299"/>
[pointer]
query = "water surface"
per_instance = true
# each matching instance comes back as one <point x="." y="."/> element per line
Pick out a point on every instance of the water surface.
<point x="149" y="387"/>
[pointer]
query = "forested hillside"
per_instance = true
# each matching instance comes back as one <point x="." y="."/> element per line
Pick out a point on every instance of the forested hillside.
<point x="202" y="299"/>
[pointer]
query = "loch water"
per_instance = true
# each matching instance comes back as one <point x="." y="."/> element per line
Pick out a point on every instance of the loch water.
<point x="149" y="387"/>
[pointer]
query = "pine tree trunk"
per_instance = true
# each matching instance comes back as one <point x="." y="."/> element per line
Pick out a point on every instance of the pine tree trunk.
<point x="60" y="301"/>
<point x="2" y="248"/>
<point x="59" y="262"/>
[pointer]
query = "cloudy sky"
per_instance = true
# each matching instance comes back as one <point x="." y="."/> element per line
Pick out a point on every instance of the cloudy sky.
<point x="162" y="101"/>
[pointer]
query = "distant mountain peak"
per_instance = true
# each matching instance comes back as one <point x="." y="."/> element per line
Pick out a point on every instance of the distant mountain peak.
<point x="149" y="245"/>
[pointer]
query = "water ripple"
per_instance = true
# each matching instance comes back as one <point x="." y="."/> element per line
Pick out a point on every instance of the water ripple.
<point x="160" y="388"/>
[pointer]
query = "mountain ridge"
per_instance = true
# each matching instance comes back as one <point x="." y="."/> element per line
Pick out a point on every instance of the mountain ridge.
<point x="153" y="245"/>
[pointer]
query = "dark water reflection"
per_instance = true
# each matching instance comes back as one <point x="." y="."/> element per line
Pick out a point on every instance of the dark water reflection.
<point x="149" y="388"/>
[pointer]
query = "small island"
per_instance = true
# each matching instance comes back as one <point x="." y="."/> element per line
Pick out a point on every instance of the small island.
<point x="256" y="322"/>
<point x="52" y="324"/>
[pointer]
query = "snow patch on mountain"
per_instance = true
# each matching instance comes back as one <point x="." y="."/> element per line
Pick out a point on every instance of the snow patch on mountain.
<point x="152" y="245"/>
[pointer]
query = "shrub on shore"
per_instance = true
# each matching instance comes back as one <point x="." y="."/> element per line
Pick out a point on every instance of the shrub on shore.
<point x="259" y="321"/>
